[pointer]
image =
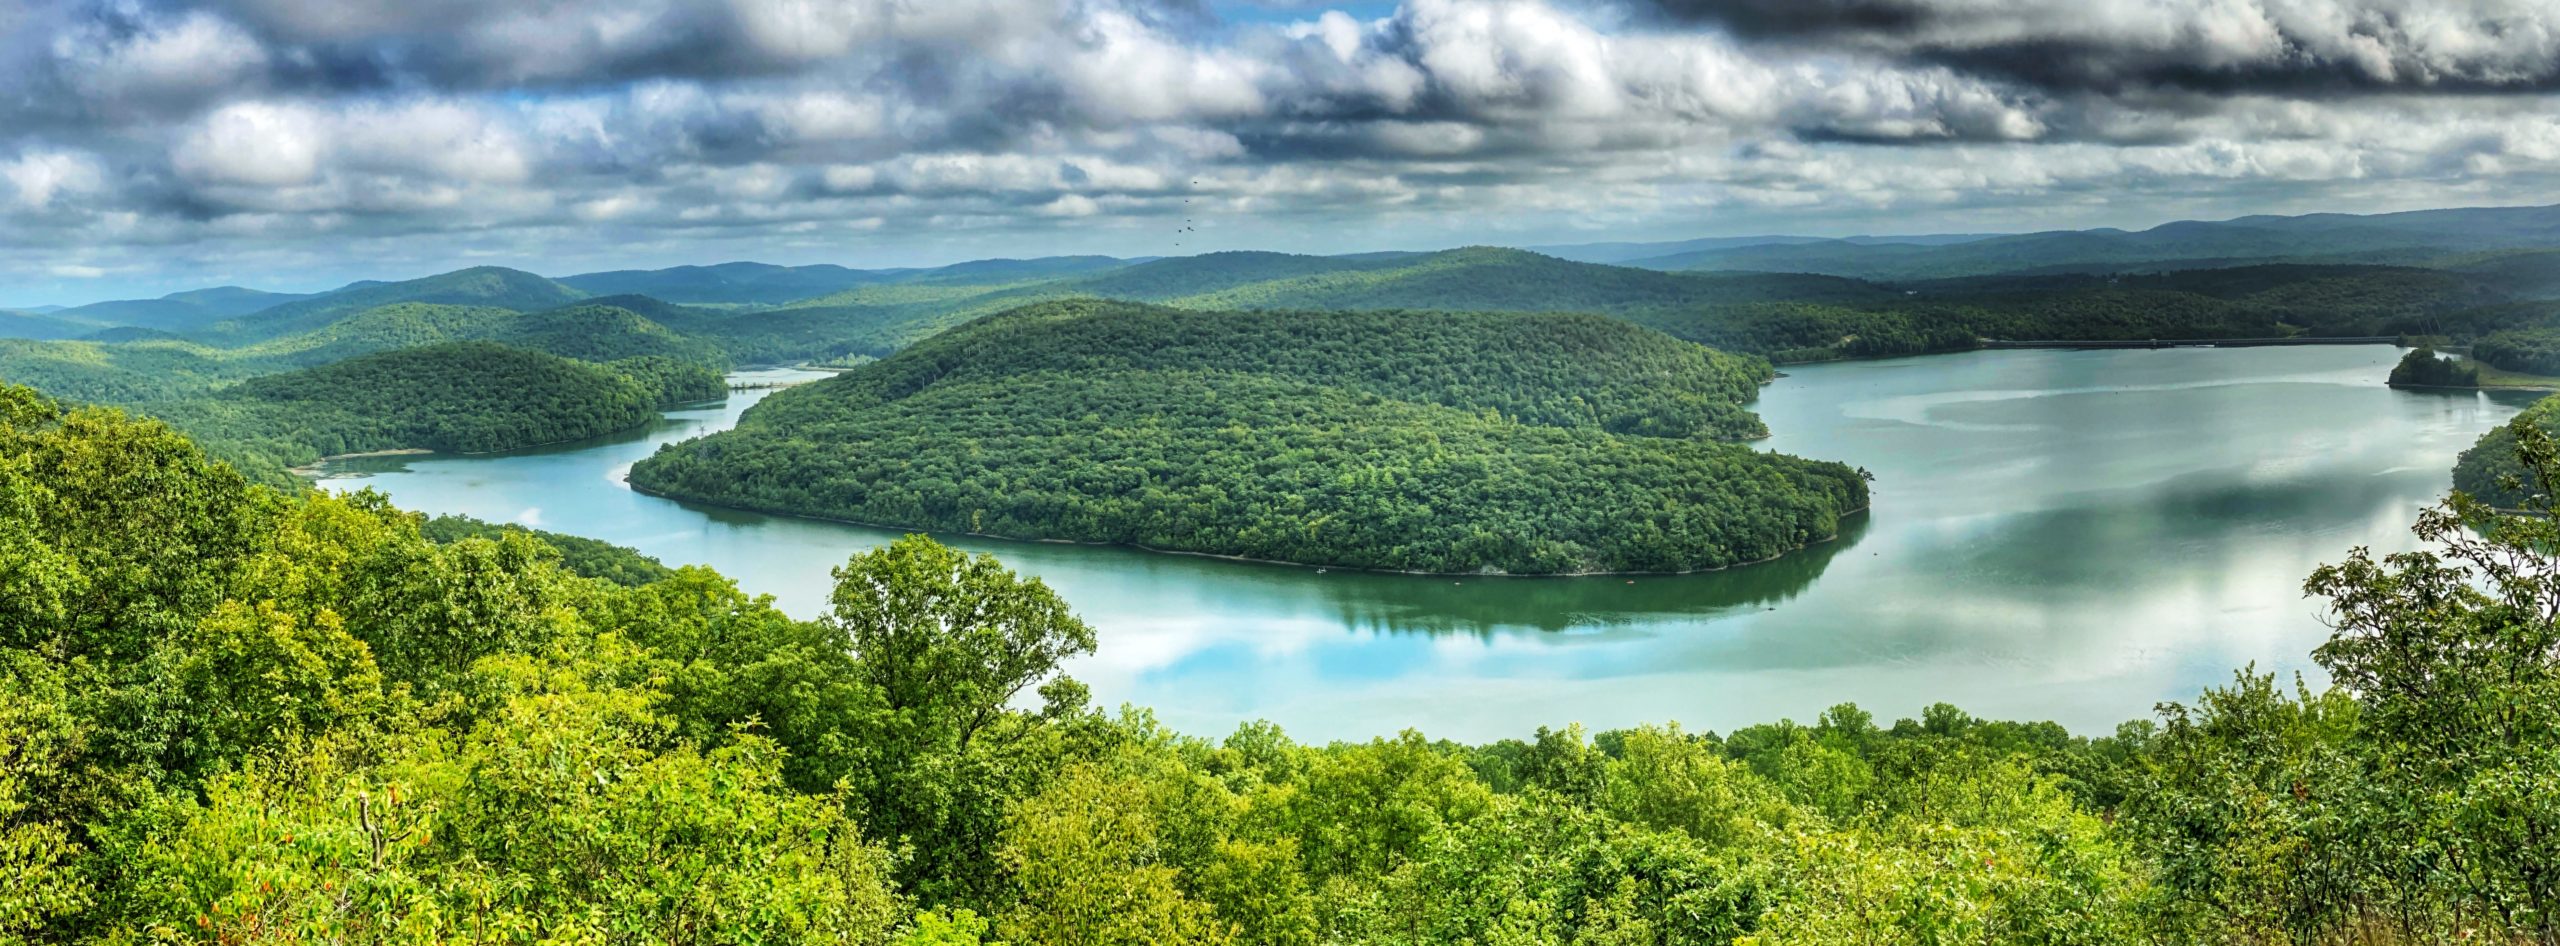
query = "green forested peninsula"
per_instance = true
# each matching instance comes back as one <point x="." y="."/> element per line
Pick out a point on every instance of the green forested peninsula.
<point x="2423" y="368"/>
<point x="233" y="715"/>
<point x="1526" y="444"/>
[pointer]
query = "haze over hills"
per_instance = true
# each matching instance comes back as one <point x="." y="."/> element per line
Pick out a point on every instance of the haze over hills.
<point x="2503" y="241"/>
<point x="19" y="323"/>
<point x="2415" y="237"/>
<point x="1641" y="254"/>
<point x="479" y="285"/>
<point x="181" y="311"/>
<point x="755" y="283"/>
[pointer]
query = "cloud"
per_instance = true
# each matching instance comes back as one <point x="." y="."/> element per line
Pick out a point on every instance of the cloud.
<point x="145" y="59"/>
<point x="2289" y="46"/>
<point x="287" y="137"/>
<point x="37" y="178"/>
<point x="253" y="143"/>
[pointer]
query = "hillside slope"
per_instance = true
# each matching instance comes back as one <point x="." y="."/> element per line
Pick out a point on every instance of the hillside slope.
<point x="468" y="397"/>
<point x="876" y="320"/>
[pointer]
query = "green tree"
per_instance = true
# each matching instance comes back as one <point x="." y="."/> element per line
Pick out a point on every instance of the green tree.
<point x="950" y="639"/>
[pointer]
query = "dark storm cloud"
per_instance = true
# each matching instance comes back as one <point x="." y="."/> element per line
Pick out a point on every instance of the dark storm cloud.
<point x="2284" y="47"/>
<point x="1801" y="17"/>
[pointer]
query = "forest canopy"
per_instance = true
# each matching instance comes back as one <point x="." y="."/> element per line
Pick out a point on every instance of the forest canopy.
<point x="1527" y="444"/>
<point x="241" y="715"/>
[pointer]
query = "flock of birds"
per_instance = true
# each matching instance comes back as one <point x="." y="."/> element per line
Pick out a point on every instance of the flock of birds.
<point x="1186" y="221"/>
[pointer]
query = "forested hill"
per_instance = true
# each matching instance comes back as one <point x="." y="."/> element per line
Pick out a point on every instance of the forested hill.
<point x="1789" y="317"/>
<point x="482" y="286"/>
<point x="1473" y="278"/>
<point x="1404" y="441"/>
<point x="1551" y="370"/>
<point x="878" y="319"/>
<point x="586" y="331"/>
<point x="468" y="397"/>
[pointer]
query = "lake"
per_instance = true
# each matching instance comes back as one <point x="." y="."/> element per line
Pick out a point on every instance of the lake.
<point x="2065" y="535"/>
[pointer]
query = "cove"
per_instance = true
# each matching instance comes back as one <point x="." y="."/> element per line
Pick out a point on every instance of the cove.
<point x="2056" y="534"/>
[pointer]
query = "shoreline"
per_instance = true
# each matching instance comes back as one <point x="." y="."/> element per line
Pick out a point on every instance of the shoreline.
<point x="313" y="468"/>
<point x="2527" y="388"/>
<point x="1835" y="536"/>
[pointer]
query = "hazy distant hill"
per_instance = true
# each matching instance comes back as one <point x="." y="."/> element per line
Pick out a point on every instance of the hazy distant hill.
<point x="483" y="286"/>
<point x="1046" y="267"/>
<point x="181" y="311"/>
<point x="19" y="323"/>
<point x="1644" y="254"/>
<point x="756" y="283"/>
<point x="766" y="284"/>
<point x="177" y="311"/>
<point x="2412" y="237"/>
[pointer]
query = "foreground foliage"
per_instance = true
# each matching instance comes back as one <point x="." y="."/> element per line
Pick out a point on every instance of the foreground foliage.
<point x="2493" y="470"/>
<point x="232" y="715"/>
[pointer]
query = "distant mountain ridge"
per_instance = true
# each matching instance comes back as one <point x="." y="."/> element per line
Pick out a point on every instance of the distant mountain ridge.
<point x="177" y="311"/>
<point x="2423" y="237"/>
<point x="1638" y="254"/>
<point x="757" y="312"/>
<point x="480" y="285"/>
<point x="2406" y="238"/>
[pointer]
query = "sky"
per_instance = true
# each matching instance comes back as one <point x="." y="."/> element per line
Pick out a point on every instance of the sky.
<point x="154" y="145"/>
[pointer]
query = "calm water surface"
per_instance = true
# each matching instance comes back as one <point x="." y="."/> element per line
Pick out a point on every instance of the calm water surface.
<point x="2057" y="535"/>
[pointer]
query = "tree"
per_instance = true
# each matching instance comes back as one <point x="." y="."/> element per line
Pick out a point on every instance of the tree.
<point x="2454" y="656"/>
<point x="948" y="641"/>
<point x="1089" y="857"/>
<point x="952" y="639"/>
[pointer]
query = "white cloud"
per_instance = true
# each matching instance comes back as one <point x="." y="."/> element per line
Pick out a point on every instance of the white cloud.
<point x="188" y="57"/>
<point x="259" y="144"/>
<point x="37" y="178"/>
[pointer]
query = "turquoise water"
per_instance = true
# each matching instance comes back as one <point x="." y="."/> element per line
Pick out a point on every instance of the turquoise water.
<point x="2066" y="535"/>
